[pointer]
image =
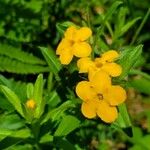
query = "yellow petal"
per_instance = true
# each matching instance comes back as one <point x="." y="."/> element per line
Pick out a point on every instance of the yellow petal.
<point x="112" y="69"/>
<point x="115" y="95"/>
<point x="81" y="49"/>
<point x="101" y="81"/>
<point x="70" y="32"/>
<point x="66" y="56"/>
<point x="88" y="109"/>
<point x="83" y="34"/>
<point x="110" y="56"/>
<point x="85" y="91"/>
<point x="84" y="64"/>
<point x="64" y="44"/>
<point x="92" y="71"/>
<point x="106" y="112"/>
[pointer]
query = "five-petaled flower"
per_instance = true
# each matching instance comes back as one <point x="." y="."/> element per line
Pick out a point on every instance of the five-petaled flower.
<point x="100" y="97"/>
<point x="104" y="63"/>
<point x="74" y="44"/>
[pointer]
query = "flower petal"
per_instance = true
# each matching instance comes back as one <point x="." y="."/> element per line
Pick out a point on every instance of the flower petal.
<point x="88" y="109"/>
<point x="92" y="71"/>
<point x="85" y="91"/>
<point x="70" y="32"/>
<point x="112" y="69"/>
<point x="81" y="49"/>
<point x="64" y="44"/>
<point x="115" y="95"/>
<point x="109" y="56"/>
<point x="106" y="112"/>
<point x="84" y="64"/>
<point x="101" y="81"/>
<point x="66" y="56"/>
<point x="83" y="34"/>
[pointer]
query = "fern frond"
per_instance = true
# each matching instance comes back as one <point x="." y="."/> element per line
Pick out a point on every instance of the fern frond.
<point x="15" y="66"/>
<point x="18" y="54"/>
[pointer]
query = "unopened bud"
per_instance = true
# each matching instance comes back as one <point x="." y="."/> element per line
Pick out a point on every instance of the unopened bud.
<point x="30" y="104"/>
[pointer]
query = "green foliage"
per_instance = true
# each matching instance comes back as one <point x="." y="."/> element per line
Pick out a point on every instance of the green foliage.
<point x="142" y="85"/>
<point x="18" y="54"/>
<point x="12" y="98"/>
<point x="52" y="60"/>
<point x="64" y="129"/>
<point x="128" y="58"/>
<point x="37" y="96"/>
<point x="30" y="31"/>
<point x="12" y="59"/>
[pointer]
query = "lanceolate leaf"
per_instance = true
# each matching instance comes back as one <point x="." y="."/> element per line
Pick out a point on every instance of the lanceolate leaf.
<point x="4" y="133"/>
<point x="67" y="125"/>
<point x="12" y="98"/>
<point x="55" y="114"/>
<point x="37" y="96"/>
<point x="112" y="10"/>
<point x="141" y="84"/>
<point x="123" y="121"/>
<point x="129" y="25"/>
<point x="128" y="58"/>
<point x="51" y="59"/>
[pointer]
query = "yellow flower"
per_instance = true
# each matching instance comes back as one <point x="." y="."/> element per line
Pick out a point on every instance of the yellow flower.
<point x="100" y="98"/>
<point x="73" y="44"/>
<point x="105" y="63"/>
<point x="30" y="104"/>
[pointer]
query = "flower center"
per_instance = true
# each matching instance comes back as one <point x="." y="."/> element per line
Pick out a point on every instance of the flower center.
<point x="100" y="96"/>
<point x="72" y="42"/>
<point x="99" y="65"/>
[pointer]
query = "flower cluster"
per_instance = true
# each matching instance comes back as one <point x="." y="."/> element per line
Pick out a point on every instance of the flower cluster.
<point x="74" y="44"/>
<point x="100" y="97"/>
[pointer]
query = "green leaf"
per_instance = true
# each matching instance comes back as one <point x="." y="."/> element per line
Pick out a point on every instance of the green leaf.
<point x="13" y="137"/>
<point x="15" y="66"/>
<point x="52" y="60"/>
<point x="55" y="114"/>
<point x="22" y="133"/>
<point x="21" y="147"/>
<point x="11" y="121"/>
<point x="128" y="25"/>
<point x="4" y="133"/>
<point x="38" y="96"/>
<point x="124" y="114"/>
<point x="121" y="16"/>
<point x="67" y="125"/>
<point x="142" y="85"/>
<point x="128" y="58"/>
<point x="46" y="138"/>
<point x="112" y="9"/>
<point x="30" y="89"/>
<point x="18" y="87"/>
<point x="123" y="120"/>
<point x="145" y="18"/>
<point x="63" y="144"/>
<point x="16" y="53"/>
<point x="13" y="99"/>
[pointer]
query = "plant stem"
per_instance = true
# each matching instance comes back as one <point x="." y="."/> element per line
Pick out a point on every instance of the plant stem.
<point x="140" y="27"/>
